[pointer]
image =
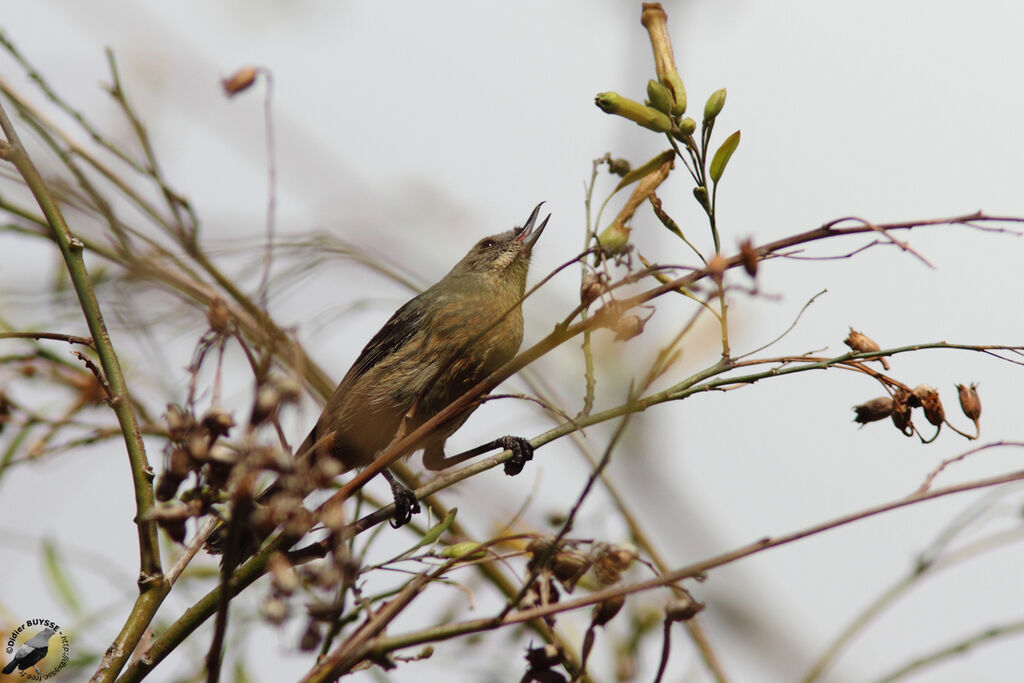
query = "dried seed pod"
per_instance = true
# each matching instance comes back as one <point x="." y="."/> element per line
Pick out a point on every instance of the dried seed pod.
<point x="240" y="81"/>
<point x="606" y="610"/>
<point x="179" y="422"/>
<point x="683" y="609"/>
<point x="592" y="287"/>
<point x="568" y="566"/>
<point x="619" y="167"/>
<point x="218" y="422"/>
<point x="901" y="412"/>
<point x="268" y="399"/>
<point x="861" y="343"/>
<point x="969" y="401"/>
<point x="166" y="486"/>
<point x="179" y="463"/>
<point x="218" y="316"/>
<point x="174" y="528"/>
<point x="544" y="657"/>
<point x="748" y="254"/>
<point x="874" y="410"/>
<point x="627" y="327"/>
<point x="930" y="402"/>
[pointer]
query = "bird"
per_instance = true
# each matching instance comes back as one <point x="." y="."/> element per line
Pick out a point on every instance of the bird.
<point x="31" y="652"/>
<point x="432" y="350"/>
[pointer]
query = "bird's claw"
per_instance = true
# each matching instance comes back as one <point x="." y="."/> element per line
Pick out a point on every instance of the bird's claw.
<point x="522" y="452"/>
<point x="406" y="505"/>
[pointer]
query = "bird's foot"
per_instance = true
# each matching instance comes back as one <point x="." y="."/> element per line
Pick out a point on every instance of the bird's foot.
<point x="406" y="504"/>
<point x="522" y="452"/>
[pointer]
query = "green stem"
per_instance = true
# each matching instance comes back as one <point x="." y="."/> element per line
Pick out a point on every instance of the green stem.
<point x="151" y="582"/>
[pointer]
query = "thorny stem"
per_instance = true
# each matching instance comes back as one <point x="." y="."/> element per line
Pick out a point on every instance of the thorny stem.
<point x="152" y="587"/>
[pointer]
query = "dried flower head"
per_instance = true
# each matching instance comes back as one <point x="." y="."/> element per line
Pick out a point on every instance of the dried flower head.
<point x="593" y="286"/>
<point x="861" y="343"/>
<point x="748" y="254"/>
<point x="683" y="609"/>
<point x="606" y="610"/>
<point x="928" y="396"/>
<point x="901" y="411"/>
<point x="627" y="327"/>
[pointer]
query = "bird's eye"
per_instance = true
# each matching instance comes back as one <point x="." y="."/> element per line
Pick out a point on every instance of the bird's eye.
<point x="487" y="243"/>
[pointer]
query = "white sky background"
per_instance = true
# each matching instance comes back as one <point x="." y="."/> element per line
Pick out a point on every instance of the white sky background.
<point x="415" y="130"/>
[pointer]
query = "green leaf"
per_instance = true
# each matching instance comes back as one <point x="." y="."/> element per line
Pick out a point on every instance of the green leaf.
<point x="722" y="156"/>
<point x="59" y="579"/>
<point x="638" y="173"/>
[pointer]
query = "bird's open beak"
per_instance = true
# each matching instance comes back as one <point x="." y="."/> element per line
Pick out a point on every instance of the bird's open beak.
<point x="529" y="236"/>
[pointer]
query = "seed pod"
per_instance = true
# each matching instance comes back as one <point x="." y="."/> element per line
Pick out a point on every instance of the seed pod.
<point x="240" y="81"/>
<point x="713" y="107"/>
<point x="627" y="327"/>
<point x="179" y="463"/>
<point x="568" y="566"/>
<point x="861" y="343"/>
<point x="544" y="657"/>
<point x="874" y="410"/>
<point x="615" y="237"/>
<point x="901" y="412"/>
<point x="218" y="422"/>
<point x="748" y="254"/>
<point x="928" y="396"/>
<point x="467" y="550"/>
<point x="606" y="610"/>
<point x="648" y="117"/>
<point x="619" y="167"/>
<point x="218" y="316"/>
<point x="593" y="286"/>
<point x="267" y="401"/>
<point x="166" y="486"/>
<point x="969" y="401"/>
<point x="660" y="96"/>
<point x="179" y="423"/>
<point x="684" y="609"/>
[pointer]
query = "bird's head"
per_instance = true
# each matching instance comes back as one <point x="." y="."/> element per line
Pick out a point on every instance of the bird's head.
<point x="505" y="257"/>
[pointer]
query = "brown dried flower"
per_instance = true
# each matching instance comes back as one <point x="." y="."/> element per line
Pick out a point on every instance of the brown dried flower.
<point x="874" y="410"/>
<point x="240" y="81"/>
<point x="969" y="401"/>
<point x="861" y="343"/>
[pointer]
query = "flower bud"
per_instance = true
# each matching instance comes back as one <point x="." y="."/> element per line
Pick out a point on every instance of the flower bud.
<point x="874" y="410"/>
<point x="700" y="193"/>
<point x="748" y="254"/>
<point x="714" y="105"/>
<point x="660" y="97"/>
<point x="655" y="20"/>
<point x="648" y="117"/>
<point x="240" y="81"/>
<point x="687" y="126"/>
<point x="969" y="401"/>
<point x="467" y="550"/>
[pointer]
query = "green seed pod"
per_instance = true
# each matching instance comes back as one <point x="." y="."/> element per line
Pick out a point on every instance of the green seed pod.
<point x="660" y="97"/>
<point x="614" y="237"/>
<point x="714" y="105"/>
<point x="648" y="117"/>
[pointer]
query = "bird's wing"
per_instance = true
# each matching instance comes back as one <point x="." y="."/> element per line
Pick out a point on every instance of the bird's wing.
<point x="397" y="331"/>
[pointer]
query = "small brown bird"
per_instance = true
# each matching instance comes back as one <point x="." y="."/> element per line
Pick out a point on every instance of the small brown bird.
<point x="434" y="348"/>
